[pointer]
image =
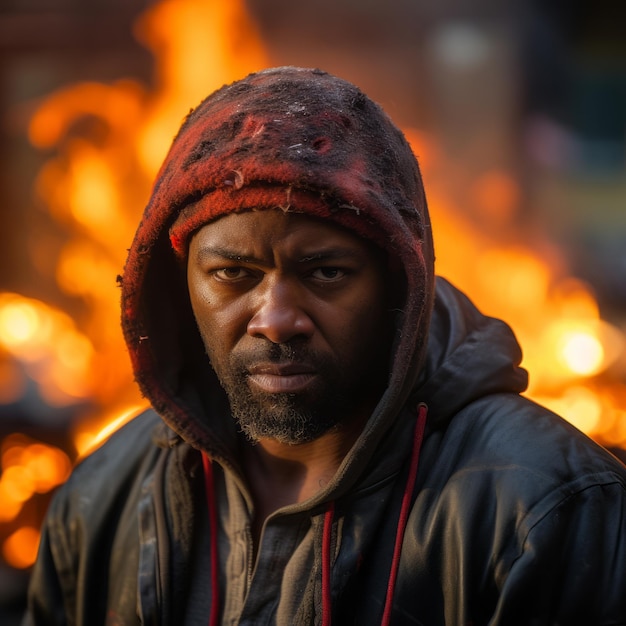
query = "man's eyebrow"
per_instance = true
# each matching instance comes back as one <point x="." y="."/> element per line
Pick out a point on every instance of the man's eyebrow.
<point x="228" y="254"/>
<point x="331" y="254"/>
<point x="212" y="252"/>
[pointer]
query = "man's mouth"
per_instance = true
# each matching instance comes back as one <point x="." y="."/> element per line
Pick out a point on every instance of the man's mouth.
<point x="281" y="377"/>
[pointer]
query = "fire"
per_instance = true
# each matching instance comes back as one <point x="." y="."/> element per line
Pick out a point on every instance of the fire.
<point x="29" y="467"/>
<point x="20" y="548"/>
<point x="89" y="435"/>
<point x="581" y="351"/>
<point x="198" y="46"/>
<point x="568" y="349"/>
<point x="96" y="186"/>
<point x="54" y="353"/>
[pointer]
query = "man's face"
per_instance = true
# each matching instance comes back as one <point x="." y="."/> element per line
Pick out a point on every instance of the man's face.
<point x="293" y="314"/>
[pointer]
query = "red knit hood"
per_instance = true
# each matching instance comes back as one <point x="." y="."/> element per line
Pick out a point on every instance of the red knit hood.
<point x="301" y="140"/>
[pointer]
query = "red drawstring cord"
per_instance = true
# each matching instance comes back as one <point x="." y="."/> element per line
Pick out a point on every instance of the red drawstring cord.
<point x="215" y="590"/>
<point x="326" y="545"/>
<point x="418" y="437"/>
<point x="209" y="485"/>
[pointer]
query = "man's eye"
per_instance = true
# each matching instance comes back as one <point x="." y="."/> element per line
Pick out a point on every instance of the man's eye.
<point x="230" y="273"/>
<point x="328" y="273"/>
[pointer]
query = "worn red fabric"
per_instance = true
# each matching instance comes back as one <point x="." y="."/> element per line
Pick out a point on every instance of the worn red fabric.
<point x="298" y="140"/>
<point x="285" y="138"/>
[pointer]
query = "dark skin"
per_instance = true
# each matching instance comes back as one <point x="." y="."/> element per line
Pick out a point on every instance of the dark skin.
<point x="270" y="277"/>
<point x="280" y="475"/>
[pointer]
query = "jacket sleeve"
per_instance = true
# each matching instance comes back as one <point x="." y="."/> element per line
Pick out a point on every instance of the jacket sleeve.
<point x="89" y="540"/>
<point x="49" y="583"/>
<point x="571" y="568"/>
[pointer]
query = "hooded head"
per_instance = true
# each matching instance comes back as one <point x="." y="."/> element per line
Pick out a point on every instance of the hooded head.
<point x="296" y="139"/>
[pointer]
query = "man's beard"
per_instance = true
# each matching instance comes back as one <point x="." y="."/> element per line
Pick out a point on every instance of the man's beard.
<point x="293" y="418"/>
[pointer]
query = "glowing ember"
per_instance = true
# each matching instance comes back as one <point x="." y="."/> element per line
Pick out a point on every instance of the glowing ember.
<point x="19" y="323"/>
<point x="54" y="353"/>
<point x="582" y="352"/>
<point x="20" y="548"/>
<point x="89" y="436"/>
<point x="29" y="467"/>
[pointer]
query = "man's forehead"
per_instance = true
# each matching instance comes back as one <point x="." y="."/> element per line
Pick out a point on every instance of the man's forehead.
<point x="265" y="221"/>
<point x="273" y="227"/>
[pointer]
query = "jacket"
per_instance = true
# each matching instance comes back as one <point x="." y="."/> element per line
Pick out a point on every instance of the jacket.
<point x="461" y="502"/>
<point x="516" y="517"/>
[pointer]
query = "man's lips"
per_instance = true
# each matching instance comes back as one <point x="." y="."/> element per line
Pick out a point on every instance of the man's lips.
<point x="281" y="377"/>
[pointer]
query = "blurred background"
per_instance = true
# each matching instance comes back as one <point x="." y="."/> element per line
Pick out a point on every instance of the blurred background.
<point x="516" y="110"/>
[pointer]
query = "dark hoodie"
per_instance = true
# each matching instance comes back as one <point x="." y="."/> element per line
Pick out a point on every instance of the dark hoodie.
<point x="499" y="512"/>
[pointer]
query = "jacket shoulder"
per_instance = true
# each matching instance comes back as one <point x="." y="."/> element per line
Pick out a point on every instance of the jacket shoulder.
<point x="110" y="471"/>
<point x="528" y="505"/>
<point x="521" y="461"/>
<point x="509" y="427"/>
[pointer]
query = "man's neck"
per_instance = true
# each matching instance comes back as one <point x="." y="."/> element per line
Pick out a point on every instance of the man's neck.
<point x="282" y="474"/>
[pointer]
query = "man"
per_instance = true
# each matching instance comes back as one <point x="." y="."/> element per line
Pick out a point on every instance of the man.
<point x="334" y="438"/>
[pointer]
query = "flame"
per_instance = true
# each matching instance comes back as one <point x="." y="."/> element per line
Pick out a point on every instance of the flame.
<point x="581" y="351"/>
<point x="95" y="186"/>
<point x="198" y="46"/>
<point x="568" y="349"/>
<point x="29" y="467"/>
<point x="89" y="435"/>
<point x="20" y="548"/>
<point x="98" y="183"/>
<point x="52" y="350"/>
<point x="108" y="142"/>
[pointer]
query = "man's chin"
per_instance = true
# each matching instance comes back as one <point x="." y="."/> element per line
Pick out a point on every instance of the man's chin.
<point x="281" y="419"/>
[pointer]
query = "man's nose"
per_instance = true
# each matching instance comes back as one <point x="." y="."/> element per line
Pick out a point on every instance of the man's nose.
<point x="279" y="315"/>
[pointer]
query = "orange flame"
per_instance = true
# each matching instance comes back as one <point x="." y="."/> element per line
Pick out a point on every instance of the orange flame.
<point x="20" y="548"/>
<point x="29" y="467"/>
<point x="96" y="187"/>
<point x="53" y="351"/>
<point x="567" y="347"/>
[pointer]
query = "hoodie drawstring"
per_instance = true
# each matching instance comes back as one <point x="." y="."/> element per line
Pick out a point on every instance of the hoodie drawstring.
<point x="418" y="437"/>
<point x="209" y="485"/>
<point x="326" y="563"/>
